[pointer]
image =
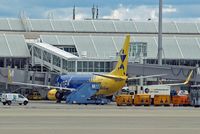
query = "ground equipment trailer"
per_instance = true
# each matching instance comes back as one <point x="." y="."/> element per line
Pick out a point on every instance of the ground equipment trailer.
<point x="124" y="99"/>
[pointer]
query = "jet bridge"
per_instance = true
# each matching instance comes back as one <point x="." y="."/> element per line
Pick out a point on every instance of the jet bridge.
<point x="51" y="57"/>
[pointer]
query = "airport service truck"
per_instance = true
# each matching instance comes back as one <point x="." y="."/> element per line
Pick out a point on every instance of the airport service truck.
<point x="9" y="98"/>
<point x="148" y="89"/>
<point x="154" y="90"/>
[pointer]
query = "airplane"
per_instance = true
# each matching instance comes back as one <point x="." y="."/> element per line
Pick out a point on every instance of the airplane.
<point x="109" y="83"/>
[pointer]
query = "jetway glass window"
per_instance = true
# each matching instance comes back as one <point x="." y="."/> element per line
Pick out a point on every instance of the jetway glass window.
<point x="37" y="52"/>
<point x="138" y="49"/>
<point x="56" y="60"/>
<point x="47" y="56"/>
<point x="65" y="64"/>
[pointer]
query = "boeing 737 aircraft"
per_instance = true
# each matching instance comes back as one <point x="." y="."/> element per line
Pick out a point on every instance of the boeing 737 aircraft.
<point x="109" y="83"/>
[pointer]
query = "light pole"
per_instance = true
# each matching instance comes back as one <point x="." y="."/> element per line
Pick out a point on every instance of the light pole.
<point x="160" y="34"/>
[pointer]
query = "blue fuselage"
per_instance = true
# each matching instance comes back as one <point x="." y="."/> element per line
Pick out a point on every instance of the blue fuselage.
<point x="73" y="81"/>
<point x="108" y="86"/>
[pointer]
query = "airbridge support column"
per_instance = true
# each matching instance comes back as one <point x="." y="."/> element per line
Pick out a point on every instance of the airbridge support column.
<point x="61" y="66"/>
<point x="42" y="63"/>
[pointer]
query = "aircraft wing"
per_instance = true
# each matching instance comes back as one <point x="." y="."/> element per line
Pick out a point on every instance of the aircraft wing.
<point x="38" y="85"/>
<point x="175" y="84"/>
<point x="148" y="76"/>
<point x="183" y="83"/>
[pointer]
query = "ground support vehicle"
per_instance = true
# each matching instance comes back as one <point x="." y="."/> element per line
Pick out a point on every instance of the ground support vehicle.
<point x="9" y="98"/>
<point x="142" y="99"/>
<point x="86" y="94"/>
<point x="124" y="100"/>
<point x="160" y="100"/>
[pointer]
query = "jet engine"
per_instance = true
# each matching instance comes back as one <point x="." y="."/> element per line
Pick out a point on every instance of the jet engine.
<point x="52" y="94"/>
<point x="57" y="95"/>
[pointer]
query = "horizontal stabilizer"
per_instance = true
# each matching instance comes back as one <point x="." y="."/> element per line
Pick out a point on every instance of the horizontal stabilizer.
<point x="112" y="76"/>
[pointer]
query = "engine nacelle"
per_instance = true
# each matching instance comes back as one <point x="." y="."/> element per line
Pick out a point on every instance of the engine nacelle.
<point x="52" y="94"/>
<point x="57" y="95"/>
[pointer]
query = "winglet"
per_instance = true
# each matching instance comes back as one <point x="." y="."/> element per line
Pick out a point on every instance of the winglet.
<point x="9" y="76"/>
<point x="188" y="78"/>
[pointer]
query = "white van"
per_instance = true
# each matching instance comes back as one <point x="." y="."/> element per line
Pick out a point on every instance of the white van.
<point x="9" y="98"/>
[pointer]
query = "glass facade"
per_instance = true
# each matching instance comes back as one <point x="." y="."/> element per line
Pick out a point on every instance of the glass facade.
<point x="94" y="66"/>
<point x="20" y="63"/>
<point x="137" y="48"/>
<point x="71" y="66"/>
<point x="174" y="62"/>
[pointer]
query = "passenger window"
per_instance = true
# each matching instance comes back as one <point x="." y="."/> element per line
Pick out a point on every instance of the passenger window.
<point x="20" y="96"/>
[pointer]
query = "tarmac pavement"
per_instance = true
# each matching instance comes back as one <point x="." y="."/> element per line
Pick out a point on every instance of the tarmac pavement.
<point x="46" y="117"/>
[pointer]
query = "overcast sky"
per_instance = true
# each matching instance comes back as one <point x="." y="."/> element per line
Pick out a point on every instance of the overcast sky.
<point x="108" y="9"/>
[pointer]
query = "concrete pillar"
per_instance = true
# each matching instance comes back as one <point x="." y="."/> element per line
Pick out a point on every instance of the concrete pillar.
<point x="4" y="63"/>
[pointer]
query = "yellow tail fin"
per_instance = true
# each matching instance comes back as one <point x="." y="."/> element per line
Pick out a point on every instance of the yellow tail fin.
<point x="121" y="67"/>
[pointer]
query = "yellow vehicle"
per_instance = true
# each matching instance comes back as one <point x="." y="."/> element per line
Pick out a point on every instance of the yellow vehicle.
<point x="160" y="100"/>
<point x="180" y="100"/>
<point x="124" y="100"/>
<point x="142" y="99"/>
<point x="35" y="95"/>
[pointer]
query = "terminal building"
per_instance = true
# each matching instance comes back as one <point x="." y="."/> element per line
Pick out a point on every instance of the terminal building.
<point x="70" y="46"/>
